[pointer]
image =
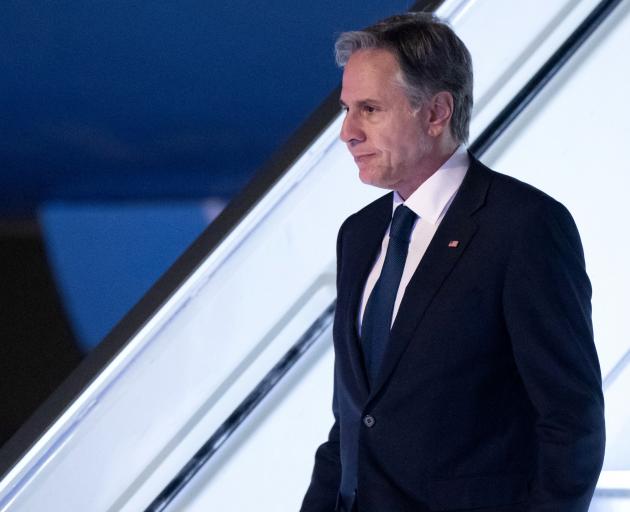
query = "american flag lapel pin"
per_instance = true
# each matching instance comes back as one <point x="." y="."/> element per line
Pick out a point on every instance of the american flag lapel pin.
<point x="453" y="243"/>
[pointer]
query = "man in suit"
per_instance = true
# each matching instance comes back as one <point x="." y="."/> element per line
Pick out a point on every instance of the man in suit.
<point x="466" y="377"/>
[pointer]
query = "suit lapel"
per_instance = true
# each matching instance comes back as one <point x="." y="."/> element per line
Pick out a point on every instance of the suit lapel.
<point x="436" y="264"/>
<point x="362" y="243"/>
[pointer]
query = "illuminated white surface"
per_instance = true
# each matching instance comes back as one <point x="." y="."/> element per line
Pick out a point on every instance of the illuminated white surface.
<point x="267" y="465"/>
<point x="509" y="42"/>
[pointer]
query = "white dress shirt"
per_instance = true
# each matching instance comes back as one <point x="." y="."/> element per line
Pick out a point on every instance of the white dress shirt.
<point x="429" y="202"/>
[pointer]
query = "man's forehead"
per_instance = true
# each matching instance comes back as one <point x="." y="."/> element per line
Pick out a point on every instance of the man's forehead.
<point x="369" y="74"/>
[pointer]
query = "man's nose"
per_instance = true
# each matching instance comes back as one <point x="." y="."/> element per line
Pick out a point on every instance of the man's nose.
<point x="351" y="132"/>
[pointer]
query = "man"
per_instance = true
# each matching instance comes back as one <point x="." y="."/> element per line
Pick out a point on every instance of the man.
<point x="466" y="376"/>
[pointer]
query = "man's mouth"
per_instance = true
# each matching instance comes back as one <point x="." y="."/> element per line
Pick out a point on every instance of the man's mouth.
<point x="362" y="158"/>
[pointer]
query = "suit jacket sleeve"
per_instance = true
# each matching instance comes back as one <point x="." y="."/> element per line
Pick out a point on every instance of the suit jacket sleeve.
<point x="547" y="309"/>
<point x="322" y="493"/>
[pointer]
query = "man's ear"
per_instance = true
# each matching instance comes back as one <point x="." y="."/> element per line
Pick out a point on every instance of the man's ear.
<point x="440" y="113"/>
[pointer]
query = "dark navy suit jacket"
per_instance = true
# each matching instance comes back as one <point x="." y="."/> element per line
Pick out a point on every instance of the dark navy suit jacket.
<point x="489" y="396"/>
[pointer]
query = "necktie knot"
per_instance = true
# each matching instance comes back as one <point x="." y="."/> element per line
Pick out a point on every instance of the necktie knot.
<point x="402" y="224"/>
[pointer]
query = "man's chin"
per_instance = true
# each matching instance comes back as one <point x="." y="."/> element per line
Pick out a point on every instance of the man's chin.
<point x="368" y="178"/>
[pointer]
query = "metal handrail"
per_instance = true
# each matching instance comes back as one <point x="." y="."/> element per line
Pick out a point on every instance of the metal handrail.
<point x="244" y="409"/>
<point x="542" y="77"/>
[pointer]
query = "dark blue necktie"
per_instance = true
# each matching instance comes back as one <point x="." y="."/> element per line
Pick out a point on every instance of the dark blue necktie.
<point x="377" y="318"/>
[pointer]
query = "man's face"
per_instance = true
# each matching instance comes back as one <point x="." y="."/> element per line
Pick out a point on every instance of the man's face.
<point x="386" y="137"/>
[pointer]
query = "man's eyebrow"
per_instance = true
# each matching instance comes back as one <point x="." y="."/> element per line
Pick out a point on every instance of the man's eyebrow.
<point x="367" y="101"/>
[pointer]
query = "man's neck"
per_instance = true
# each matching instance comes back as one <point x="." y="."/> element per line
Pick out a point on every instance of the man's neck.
<point x="434" y="161"/>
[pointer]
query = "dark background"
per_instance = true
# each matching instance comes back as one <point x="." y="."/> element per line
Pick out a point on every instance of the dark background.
<point x="137" y="101"/>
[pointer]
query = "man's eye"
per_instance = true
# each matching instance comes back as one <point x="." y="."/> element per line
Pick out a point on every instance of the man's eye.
<point x="369" y="109"/>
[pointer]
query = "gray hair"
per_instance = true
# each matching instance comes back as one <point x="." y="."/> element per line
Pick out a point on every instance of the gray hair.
<point x="431" y="58"/>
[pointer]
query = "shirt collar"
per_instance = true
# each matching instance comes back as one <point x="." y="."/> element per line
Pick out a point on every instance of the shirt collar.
<point x="430" y="200"/>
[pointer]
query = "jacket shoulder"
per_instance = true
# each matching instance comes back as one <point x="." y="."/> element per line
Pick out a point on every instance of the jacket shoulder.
<point x="519" y="200"/>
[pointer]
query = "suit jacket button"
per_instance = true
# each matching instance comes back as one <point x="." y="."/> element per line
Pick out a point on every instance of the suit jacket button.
<point x="369" y="421"/>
